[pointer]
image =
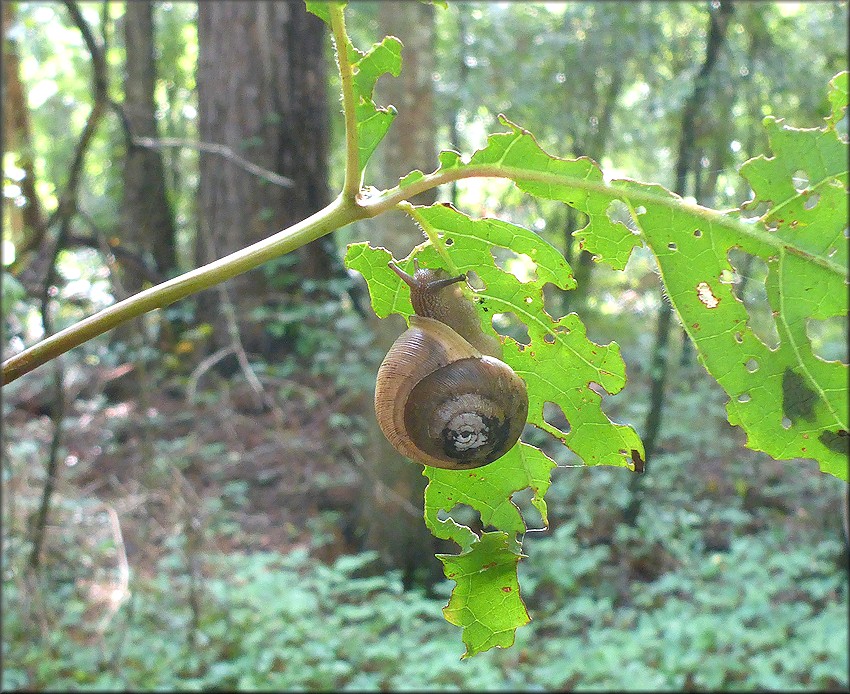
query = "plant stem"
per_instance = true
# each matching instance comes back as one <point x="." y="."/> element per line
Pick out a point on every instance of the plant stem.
<point x="633" y="197"/>
<point x="338" y="214"/>
<point x="351" y="186"/>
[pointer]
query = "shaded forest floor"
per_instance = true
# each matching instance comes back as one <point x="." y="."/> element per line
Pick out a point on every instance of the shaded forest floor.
<point x="161" y="482"/>
<point x="246" y="476"/>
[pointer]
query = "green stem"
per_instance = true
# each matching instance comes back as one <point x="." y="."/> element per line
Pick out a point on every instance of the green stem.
<point x="338" y="214"/>
<point x="351" y="186"/>
<point x="389" y="199"/>
<point x="432" y="235"/>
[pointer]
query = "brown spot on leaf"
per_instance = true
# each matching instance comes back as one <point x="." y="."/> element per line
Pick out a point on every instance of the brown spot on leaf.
<point x="706" y="296"/>
<point x="798" y="399"/>
<point x="507" y="589"/>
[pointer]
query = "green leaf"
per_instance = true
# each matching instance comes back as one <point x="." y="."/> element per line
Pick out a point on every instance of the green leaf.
<point x="488" y="490"/>
<point x="576" y="182"/>
<point x="801" y="239"/>
<point x="373" y="121"/>
<point x="838" y="98"/>
<point x="558" y="364"/>
<point x="485" y="603"/>
<point x="322" y="9"/>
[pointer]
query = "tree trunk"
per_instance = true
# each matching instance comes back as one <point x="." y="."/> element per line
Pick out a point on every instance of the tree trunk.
<point x="28" y="223"/>
<point x="147" y="221"/>
<point x="146" y="218"/>
<point x="261" y="92"/>
<point x="388" y="523"/>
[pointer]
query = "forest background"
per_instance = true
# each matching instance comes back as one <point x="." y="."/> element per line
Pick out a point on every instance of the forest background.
<point x="213" y="471"/>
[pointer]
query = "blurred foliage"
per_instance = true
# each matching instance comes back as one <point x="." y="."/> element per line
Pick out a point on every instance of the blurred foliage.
<point x="712" y="590"/>
<point x="735" y="576"/>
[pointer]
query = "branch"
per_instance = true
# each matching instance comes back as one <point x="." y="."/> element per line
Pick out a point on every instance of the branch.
<point x="338" y="214"/>
<point x="214" y="148"/>
<point x="351" y="187"/>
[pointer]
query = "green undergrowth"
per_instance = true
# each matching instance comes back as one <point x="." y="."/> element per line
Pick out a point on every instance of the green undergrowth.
<point x="753" y="617"/>
<point x="713" y="588"/>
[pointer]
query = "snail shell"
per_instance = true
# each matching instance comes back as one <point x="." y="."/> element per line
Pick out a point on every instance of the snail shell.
<point x="439" y="398"/>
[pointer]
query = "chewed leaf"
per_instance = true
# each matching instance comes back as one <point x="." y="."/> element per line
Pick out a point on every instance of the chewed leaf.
<point x="373" y="121"/>
<point x="572" y="181"/>
<point x="488" y="490"/>
<point x="485" y="602"/>
<point x="559" y="364"/>
<point x="801" y="240"/>
<point x="838" y="99"/>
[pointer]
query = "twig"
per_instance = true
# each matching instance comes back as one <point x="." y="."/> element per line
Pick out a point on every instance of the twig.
<point x="202" y="368"/>
<point x="215" y="148"/>
<point x="120" y="593"/>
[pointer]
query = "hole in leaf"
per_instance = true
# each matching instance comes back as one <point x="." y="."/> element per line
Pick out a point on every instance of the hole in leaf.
<point x="596" y="388"/>
<point x="672" y="246"/>
<point x="530" y="515"/>
<point x="750" y="290"/>
<point x="640" y="209"/>
<point x="698" y="233"/>
<point x="752" y="366"/>
<point x="786" y="423"/>
<point x="549" y="339"/>
<point x="554" y="416"/>
<point x="528" y="299"/>
<point x="828" y="338"/>
<point x="744" y="397"/>
<point x="462" y="514"/>
<point x="738" y="337"/>
<point x="554" y="300"/>
<point x="812" y="200"/>
<point x="800" y="180"/>
<point x="508" y="325"/>
<point x="751" y="210"/>
<point x="519" y="265"/>
<point x="449" y="241"/>
<point x="728" y="277"/>
<point x="618" y="213"/>
<point x="474" y="281"/>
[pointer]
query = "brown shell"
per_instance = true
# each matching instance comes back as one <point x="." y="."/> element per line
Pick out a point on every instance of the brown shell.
<point x="441" y="402"/>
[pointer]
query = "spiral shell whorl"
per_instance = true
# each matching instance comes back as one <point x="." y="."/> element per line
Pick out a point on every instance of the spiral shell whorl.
<point x="459" y="412"/>
<point x="442" y="397"/>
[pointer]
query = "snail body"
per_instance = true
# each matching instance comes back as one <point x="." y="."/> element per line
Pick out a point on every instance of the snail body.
<point x="442" y="397"/>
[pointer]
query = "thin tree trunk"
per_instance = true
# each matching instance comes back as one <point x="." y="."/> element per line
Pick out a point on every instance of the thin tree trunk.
<point x="718" y="21"/>
<point x="389" y="526"/>
<point x="147" y="221"/>
<point x="28" y="223"/>
<point x="146" y="217"/>
<point x="67" y="210"/>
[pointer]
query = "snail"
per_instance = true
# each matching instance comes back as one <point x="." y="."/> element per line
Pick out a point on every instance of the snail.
<point x="442" y="397"/>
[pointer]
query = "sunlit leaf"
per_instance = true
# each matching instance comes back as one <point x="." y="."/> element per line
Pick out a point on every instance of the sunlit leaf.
<point x="802" y="239"/>
<point x="485" y="602"/>
<point x="556" y="360"/>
